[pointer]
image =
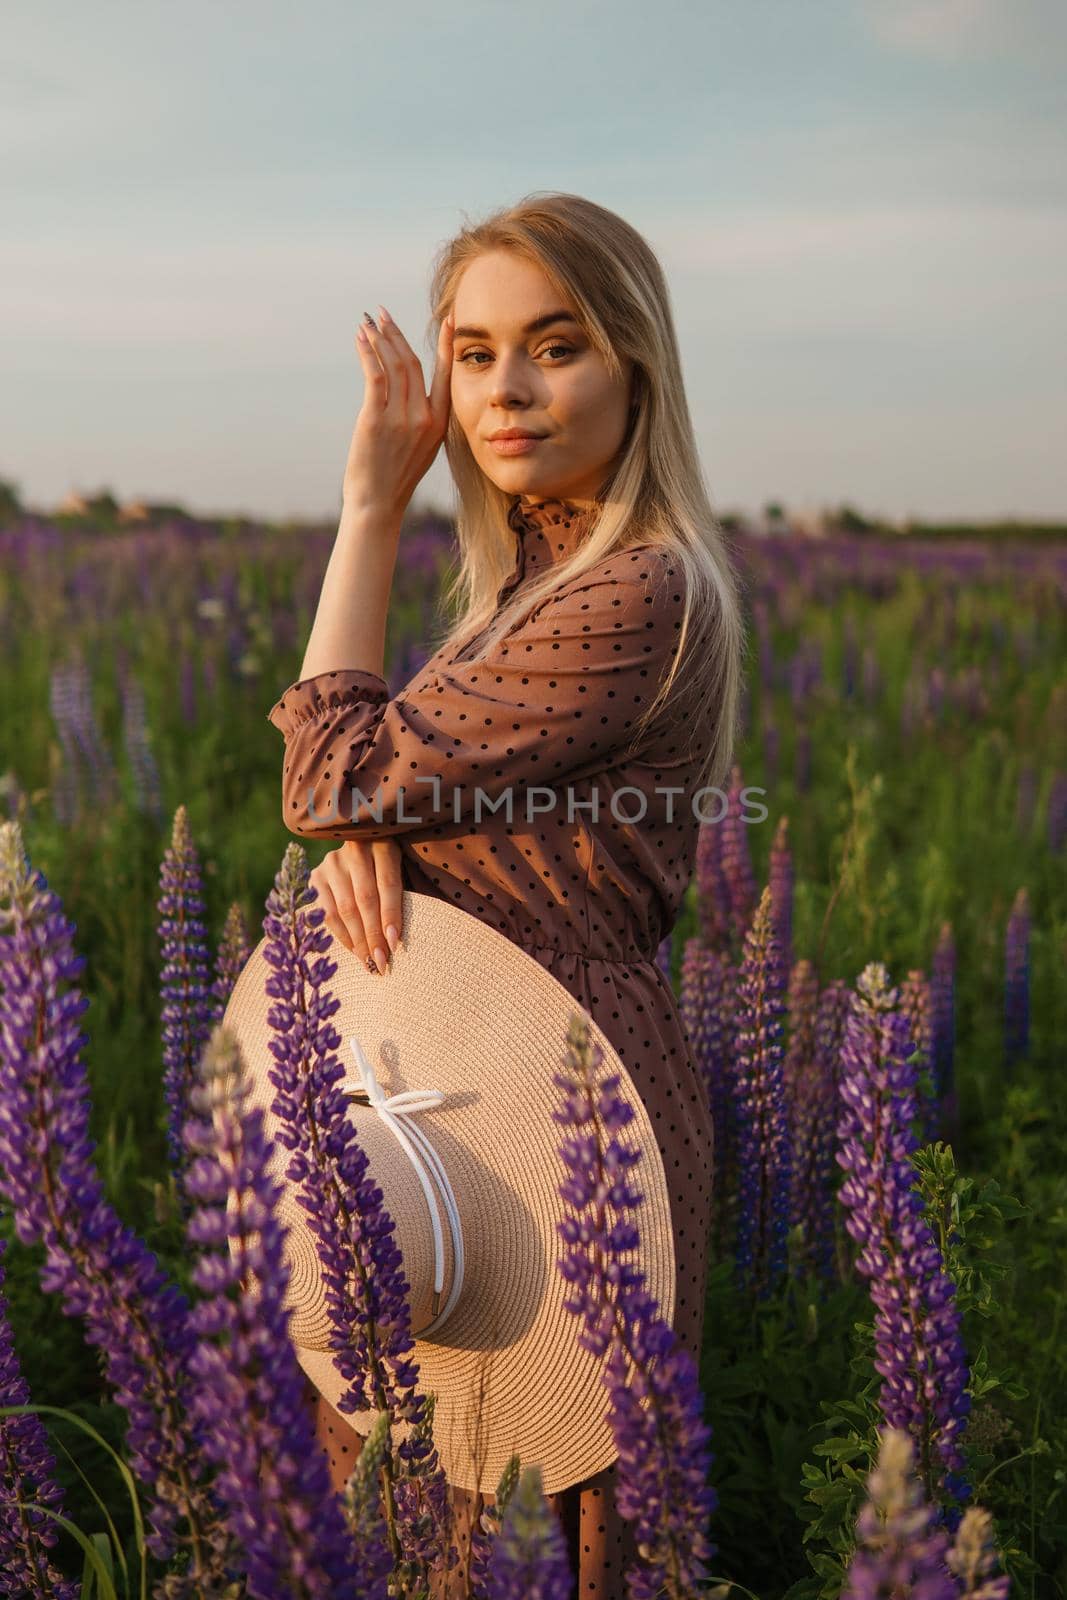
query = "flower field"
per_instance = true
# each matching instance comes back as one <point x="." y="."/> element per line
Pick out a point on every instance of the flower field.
<point x="870" y="961"/>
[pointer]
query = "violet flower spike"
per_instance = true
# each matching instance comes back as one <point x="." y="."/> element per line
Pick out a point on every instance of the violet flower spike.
<point x="27" y="1475"/>
<point x="663" y="1461"/>
<point x="898" y="1550"/>
<point x="185" y="978"/>
<point x="250" y="1398"/>
<point x="528" y="1559"/>
<point x="100" y="1268"/>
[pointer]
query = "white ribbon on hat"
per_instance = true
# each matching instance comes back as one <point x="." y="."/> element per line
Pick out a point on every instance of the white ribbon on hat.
<point x="391" y="1108"/>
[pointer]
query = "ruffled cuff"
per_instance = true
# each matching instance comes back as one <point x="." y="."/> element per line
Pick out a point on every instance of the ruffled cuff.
<point x="308" y="698"/>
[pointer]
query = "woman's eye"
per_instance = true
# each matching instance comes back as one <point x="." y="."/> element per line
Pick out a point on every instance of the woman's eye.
<point x="565" y="349"/>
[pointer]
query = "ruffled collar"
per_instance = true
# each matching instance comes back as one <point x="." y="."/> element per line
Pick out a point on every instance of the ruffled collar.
<point x="548" y="532"/>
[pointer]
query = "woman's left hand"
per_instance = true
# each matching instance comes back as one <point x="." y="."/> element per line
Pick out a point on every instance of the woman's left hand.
<point x="361" y="888"/>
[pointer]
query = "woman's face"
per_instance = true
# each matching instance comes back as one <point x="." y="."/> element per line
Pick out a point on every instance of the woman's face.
<point x="509" y="374"/>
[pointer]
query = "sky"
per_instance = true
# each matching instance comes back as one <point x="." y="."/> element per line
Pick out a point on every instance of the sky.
<point x="860" y="207"/>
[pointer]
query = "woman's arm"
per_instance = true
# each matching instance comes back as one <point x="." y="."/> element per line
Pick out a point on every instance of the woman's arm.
<point x="350" y="619"/>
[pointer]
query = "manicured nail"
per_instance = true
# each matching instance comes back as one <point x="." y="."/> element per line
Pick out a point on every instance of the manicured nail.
<point x="393" y="937"/>
<point x="381" y="958"/>
<point x="370" y="964"/>
<point x="384" y="315"/>
<point x="368" y="318"/>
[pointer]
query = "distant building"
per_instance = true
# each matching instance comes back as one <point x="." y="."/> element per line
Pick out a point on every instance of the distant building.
<point x="135" y="511"/>
<point x="74" y="505"/>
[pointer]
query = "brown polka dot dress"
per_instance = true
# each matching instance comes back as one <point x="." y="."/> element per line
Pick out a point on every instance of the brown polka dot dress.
<point x="586" y="873"/>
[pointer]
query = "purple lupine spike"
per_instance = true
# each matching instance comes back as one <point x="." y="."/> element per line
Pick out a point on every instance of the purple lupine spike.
<point x="101" y="1269"/>
<point x="916" y="1005"/>
<point x="249" y="1396"/>
<point x="528" y="1559"/>
<point x="424" y="1508"/>
<point x="706" y="1007"/>
<point x="230" y="960"/>
<point x="713" y="892"/>
<point x="185" y="978"/>
<point x="822" y="1210"/>
<point x="973" y="1557"/>
<point x="899" y="1550"/>
<point x="920" y="1352"/>
<point x="139" y="751"/>
<point x="763" y="1154"/>
<point x="780" y="878"/>
<point x="802" y="999"/>
<point x="943" y="1029"/>
<point x="483" y="1535"/>
<point x="27" y="1474"/>
<point x="76" y="698"/>
<point x="1017" y="981"/>
<point x="1056" y="823"/>
<point x="656" y="1405"/>
<point x="737" y="860"/>
<point x="66" y="781"/>
<point x="366" y="1290"/>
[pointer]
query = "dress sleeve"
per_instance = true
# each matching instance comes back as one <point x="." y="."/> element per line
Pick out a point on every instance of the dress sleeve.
<point x="553" y="702"/>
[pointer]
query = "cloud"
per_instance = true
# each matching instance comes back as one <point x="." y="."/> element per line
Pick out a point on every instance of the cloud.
<point x="943" y="28"/>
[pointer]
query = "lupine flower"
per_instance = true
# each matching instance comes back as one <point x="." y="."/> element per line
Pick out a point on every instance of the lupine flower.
<point x="737" y="859"/>
<point x="763" y="1154"/>
<point x="920" y="1352"/>
<point x="186" y="1014"/>
<point x="781" y="882"/>
<point x="656" y="1404"/>
<point x="973" y="1557"/>
<point x="483" y="1535"/>
<point x="249" y="1397"/>
<point x="102" y="1271"/>
<point x="138" y="746"/>
<point x="363" y="1502"/>
<point x="424" y="1506"/>
<point x="713" y="893"/>
<point x="230" y="960"/>
<point x="79" y="732"/>
<point x="706" y="1008"/>
<point x="1017" y="981"/>
<point x="366" y="1290"/>
<point x="27" y="1482"/>
<point x="916" y="1005"/>
<point x="801" y="1006"/>
<point x="899" y="1551"/>
<point x="529" y="1555"/>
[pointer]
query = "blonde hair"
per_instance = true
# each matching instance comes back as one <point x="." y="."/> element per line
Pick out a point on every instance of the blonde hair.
<point x="655" y="494"/>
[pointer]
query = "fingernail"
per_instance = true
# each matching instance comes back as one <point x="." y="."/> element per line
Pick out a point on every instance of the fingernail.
<point x="370" y="964"/>
<point x="393" y="937"/>
<point x="384" y="314"/>
<point x="382" y="959"/>
<point x="368" y="318"/>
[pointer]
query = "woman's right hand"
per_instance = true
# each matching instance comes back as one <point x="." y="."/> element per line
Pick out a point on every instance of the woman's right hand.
<point x="361" y="890"/>
<point x="399" y="428"/>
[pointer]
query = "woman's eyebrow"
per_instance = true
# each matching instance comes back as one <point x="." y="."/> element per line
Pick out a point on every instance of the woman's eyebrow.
<point x="531" y="327"/>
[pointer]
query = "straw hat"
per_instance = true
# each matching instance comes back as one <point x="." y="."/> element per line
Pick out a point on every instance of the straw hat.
<point x="467" y="1013"/>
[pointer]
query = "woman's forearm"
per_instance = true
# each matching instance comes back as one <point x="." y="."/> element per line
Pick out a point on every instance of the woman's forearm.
<point x="350" y="620"/>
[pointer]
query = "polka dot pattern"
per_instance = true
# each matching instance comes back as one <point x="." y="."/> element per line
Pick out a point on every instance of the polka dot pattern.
<point x="589" y="895"/>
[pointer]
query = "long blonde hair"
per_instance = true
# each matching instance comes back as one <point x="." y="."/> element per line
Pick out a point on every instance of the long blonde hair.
<point x="656" y="493"/>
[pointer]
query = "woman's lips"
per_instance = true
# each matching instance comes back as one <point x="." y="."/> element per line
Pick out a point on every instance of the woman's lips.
<point x="513" y="447"/>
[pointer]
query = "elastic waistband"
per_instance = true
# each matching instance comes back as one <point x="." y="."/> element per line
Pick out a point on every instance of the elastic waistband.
<point x="637" y="959"/>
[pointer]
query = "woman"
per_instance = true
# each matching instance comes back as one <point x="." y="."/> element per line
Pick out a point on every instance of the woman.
<point x="543" y="770"/>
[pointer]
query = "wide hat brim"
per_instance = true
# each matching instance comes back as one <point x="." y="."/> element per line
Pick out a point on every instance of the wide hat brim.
<point x="464" y="1010"/>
